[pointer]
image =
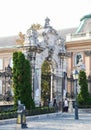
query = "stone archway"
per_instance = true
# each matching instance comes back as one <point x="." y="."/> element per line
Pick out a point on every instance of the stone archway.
<point x="45" y="83"/>
<point x="48" y="39"/>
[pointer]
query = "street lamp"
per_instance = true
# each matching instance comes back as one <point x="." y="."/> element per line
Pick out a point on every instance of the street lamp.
<point x="71" y="80"/>
<point x="61" y="54"/>
<point x="89" y="83"/>
<point x="75" y="77"/>
<point x="71" y="94"/>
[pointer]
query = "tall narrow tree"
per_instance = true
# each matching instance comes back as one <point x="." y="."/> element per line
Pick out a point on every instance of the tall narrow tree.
<point x="83" y="96"/>
<point x="22" y="80"/>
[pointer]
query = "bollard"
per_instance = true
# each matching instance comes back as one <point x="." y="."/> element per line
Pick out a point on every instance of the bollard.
<point x="21" y="117"/>
<point x="70" y="106"/>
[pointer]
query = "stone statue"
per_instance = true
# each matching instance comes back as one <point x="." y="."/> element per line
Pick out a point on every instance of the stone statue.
<point x="47" y="20"/>
<point x="21" y="38"/>
<point x="80" y="65"/>
<point x="78" y="58"/>
<point x="36" y="26"/>
<point x="79" y="62"/>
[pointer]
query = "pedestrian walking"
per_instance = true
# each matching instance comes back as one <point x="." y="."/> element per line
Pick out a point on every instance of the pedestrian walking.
<point x="55" y="104"/>
<point x="65" y="105"/>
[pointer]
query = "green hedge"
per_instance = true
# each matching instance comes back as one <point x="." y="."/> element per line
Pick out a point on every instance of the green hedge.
<point x="36" y="111"/>
<point x="84" y="106"/>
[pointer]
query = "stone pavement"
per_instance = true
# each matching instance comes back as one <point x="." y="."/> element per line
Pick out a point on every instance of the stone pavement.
<point x="56" y="121"/>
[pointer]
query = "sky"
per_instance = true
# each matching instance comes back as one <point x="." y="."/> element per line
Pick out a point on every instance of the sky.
<point x="18" y="15"/>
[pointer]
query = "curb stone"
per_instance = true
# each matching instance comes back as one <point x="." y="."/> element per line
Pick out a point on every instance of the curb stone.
<point x="29" y="118"/>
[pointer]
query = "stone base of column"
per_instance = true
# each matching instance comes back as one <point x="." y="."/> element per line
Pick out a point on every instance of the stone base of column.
<point x="70" y="109"/>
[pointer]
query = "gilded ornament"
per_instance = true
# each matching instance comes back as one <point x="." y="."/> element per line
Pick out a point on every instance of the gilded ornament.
<point x="36" y="26"/>
<point x="21" y="38"/>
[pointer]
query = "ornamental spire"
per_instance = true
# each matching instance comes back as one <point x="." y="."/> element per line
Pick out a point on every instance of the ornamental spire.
<point x="47" y="24"/>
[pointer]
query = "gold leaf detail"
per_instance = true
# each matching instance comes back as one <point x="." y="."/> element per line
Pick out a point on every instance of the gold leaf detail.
<point x="21" y="38"/>
<point x="36" y="26"/>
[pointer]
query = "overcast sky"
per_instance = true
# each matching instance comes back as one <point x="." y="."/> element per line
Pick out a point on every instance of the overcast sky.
<point x="19" y="15"/>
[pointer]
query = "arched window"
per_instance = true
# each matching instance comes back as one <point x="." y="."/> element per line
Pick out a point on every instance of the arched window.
<point x="78" y="58"/>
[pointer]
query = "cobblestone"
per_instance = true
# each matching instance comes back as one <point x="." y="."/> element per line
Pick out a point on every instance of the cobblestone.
<point x="57" y="121"/>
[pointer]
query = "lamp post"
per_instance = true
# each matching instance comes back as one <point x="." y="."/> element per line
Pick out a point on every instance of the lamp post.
<point x="89" y="83"/>
<point x="75" y="76"/>
<point x="61" y="54"/>
<point x="70" y="95"/>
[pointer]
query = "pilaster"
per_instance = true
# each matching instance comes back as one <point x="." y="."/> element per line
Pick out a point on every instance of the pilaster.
<point x="88" y="62"/>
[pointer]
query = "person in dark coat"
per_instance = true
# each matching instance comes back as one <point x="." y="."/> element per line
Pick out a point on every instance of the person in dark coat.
<point x="55" y="104"/>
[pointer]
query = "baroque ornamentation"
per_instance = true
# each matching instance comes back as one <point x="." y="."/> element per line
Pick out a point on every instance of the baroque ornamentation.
<point x="47" y="22"/>
<point x="21" y="38"/>
<point x="36" y="26"/>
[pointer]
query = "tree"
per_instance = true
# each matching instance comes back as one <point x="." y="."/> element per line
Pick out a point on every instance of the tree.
<point x="22" y="80"/>
<point x="83" y="96"/>
<point x="45" y="84"/>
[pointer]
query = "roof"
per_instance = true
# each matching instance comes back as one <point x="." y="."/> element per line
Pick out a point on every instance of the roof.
<point x="11" y="40"/>
<point x="85" y="17"/>
<point x="85" y="24"/>
<point x="64" y="32"/>
<point x="8" y="41"/>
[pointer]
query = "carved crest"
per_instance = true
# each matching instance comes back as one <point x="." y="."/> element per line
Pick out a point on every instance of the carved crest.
<point x="36" y="26"/>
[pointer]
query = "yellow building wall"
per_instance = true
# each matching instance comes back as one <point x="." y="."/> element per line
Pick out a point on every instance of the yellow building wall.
<point x="87" y="65"/>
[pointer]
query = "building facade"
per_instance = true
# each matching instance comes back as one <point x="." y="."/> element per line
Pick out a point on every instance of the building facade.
<point x="78" y="54"/>
<point x="7" y="47"/>
<point x="78" y="45"/>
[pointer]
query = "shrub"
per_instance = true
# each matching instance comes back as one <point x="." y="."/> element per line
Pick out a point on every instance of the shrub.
<point x="83" y="97"/>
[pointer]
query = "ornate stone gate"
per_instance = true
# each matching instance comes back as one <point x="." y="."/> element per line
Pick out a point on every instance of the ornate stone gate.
<point x="42" y="43"/>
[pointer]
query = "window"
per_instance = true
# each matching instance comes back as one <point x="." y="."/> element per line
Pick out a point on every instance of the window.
<point x="1" y="64"/>
<point x="11" y="63"/>
<point x="0" y="86"/>
<point x="78" y="58"/>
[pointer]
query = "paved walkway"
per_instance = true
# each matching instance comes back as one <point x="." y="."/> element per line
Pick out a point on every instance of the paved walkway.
<point x="57" y="121"/>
